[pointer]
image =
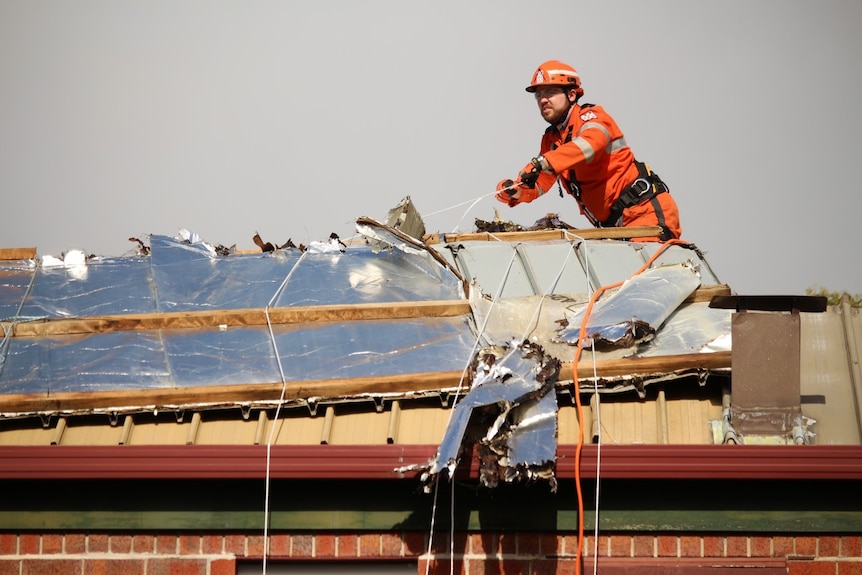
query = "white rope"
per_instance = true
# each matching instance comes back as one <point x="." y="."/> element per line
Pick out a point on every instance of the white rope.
<point x="598" y="469"/>
<point x="277" y="408"/>
<point x="480" y="332"/>
<point x="534" y="320"/>
<point x="433" y="516"/>
<point x="472" y="203"/>
<point x="452" y="207"/>
<point x="591" y="290"/>
<point x="467" y="211"/>
<point x="16" y="319"/>
<point x="473" y="350"/>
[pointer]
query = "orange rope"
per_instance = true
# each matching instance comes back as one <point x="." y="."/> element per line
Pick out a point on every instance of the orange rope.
<point x="582" y="333"/>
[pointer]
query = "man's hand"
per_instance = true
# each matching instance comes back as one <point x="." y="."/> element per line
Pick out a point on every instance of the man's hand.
<point x="508" y="193"/>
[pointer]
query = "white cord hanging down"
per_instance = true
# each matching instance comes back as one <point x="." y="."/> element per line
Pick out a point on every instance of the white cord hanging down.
<point x="269" y="304"/>
<point x="433" y="517"/>
<point x="17" y="318"/>
<point x="535" y="317"/>
<point x="480" y="332"/>
<point x="598" y="468"/>
<point x="591" y="290"/>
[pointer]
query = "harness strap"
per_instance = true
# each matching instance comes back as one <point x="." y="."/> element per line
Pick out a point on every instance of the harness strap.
<point x="646" y="186"/>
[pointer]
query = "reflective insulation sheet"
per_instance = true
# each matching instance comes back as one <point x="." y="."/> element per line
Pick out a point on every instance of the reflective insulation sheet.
<point x="241" y="355"/>
<point x="102" y="286"/>
<point x="180" y="276"/>
<point x="15" y="279"/>
<point x="692" y="328"/>
<point x="101" y="362"/>
<point x="637" y="310"/>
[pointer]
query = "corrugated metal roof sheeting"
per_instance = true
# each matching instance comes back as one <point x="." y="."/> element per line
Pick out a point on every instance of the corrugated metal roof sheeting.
<point x="831" y="380"/>
<point x="677" y="416"/>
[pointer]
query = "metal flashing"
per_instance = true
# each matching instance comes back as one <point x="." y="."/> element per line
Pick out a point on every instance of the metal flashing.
<point x="512" y="409"/>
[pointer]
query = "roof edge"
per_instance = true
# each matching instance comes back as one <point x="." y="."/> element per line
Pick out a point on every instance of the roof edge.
<point x="408" y="462"/>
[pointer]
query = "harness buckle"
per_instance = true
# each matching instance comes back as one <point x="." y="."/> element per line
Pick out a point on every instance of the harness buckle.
<point x="635" y="187"/>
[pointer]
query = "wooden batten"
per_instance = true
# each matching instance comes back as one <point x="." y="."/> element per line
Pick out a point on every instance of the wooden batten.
<point x="545" y="235"/>
<point x="646" y="366"/>
<point x="240" y="317"/>
<point x="17" y="253"/>
<point x="706" y="293"/>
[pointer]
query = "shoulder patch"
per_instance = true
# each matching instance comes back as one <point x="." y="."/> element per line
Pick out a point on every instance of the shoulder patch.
<point x="588" y="115"/>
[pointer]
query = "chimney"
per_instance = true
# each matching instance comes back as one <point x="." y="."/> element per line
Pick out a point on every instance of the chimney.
<point x="765" y="405"/>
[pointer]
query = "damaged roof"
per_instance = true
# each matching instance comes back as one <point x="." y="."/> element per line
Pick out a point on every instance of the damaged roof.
<point x="489" y="338"/>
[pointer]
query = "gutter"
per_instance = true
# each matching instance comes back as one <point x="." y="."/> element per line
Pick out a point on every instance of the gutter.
<point x="694" y="462"/>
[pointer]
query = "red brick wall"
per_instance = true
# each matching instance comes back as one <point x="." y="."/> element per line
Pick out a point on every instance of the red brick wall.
<point x="475" y="553"/>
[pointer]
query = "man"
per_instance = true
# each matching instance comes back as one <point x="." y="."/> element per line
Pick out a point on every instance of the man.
<point x="584" y="150"/>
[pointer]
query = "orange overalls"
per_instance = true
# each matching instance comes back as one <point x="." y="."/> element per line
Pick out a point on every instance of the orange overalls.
<point x="594" y="164"/>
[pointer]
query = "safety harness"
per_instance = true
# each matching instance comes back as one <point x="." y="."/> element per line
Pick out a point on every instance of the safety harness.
<point x="645" y="187"/>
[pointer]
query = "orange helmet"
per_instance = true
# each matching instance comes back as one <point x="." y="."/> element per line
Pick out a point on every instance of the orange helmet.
<point x="556" y="73"/>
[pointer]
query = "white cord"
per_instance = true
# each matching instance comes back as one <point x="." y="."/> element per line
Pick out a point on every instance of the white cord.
<point x="17" y="318"/>
<point x="467" y="211"/>
<point x="452" y="207"/>
<point x="479" y="334"/>
<point x="475" y="347"/>
<point x="535" y="317"/>
<point x="472" y="203"/>
<point x="277" y="408"/>
<point x="591" y="290"/>
<point x="598" y="469"/>
<point x="598" y="416"/>
<point x="433" y="516"/>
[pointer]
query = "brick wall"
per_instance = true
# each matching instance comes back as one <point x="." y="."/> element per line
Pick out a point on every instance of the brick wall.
<point x="475" y="553"/>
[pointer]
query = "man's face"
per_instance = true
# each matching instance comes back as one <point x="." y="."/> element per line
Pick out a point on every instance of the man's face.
<point x="553" y="102"/>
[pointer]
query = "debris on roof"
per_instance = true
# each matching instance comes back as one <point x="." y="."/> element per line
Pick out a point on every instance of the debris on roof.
<point x="636" y="311"/>
<point x="547" y="222"/>
<point x="509" y="413"/>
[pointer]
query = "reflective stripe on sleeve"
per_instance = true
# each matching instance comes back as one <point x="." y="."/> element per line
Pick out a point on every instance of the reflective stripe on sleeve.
<point x="595" y="126"/>
<point x="615" y="145"/>
<point x="586" y="148"/>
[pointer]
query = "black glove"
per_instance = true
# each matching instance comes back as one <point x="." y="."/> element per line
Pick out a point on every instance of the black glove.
<point x="529" y="176"/>
<point x="530" y="173"/>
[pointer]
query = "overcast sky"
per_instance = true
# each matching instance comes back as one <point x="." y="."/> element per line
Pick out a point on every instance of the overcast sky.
<point x="292" y="119"/>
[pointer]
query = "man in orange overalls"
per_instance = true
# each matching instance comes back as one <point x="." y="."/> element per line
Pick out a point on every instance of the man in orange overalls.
<point x="585" y="150"/>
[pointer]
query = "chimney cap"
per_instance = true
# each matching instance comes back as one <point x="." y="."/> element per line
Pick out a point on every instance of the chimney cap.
<point x="788" y="303"/>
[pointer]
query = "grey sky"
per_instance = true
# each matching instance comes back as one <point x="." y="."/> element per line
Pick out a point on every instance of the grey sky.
<point x="292" y="119"/>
